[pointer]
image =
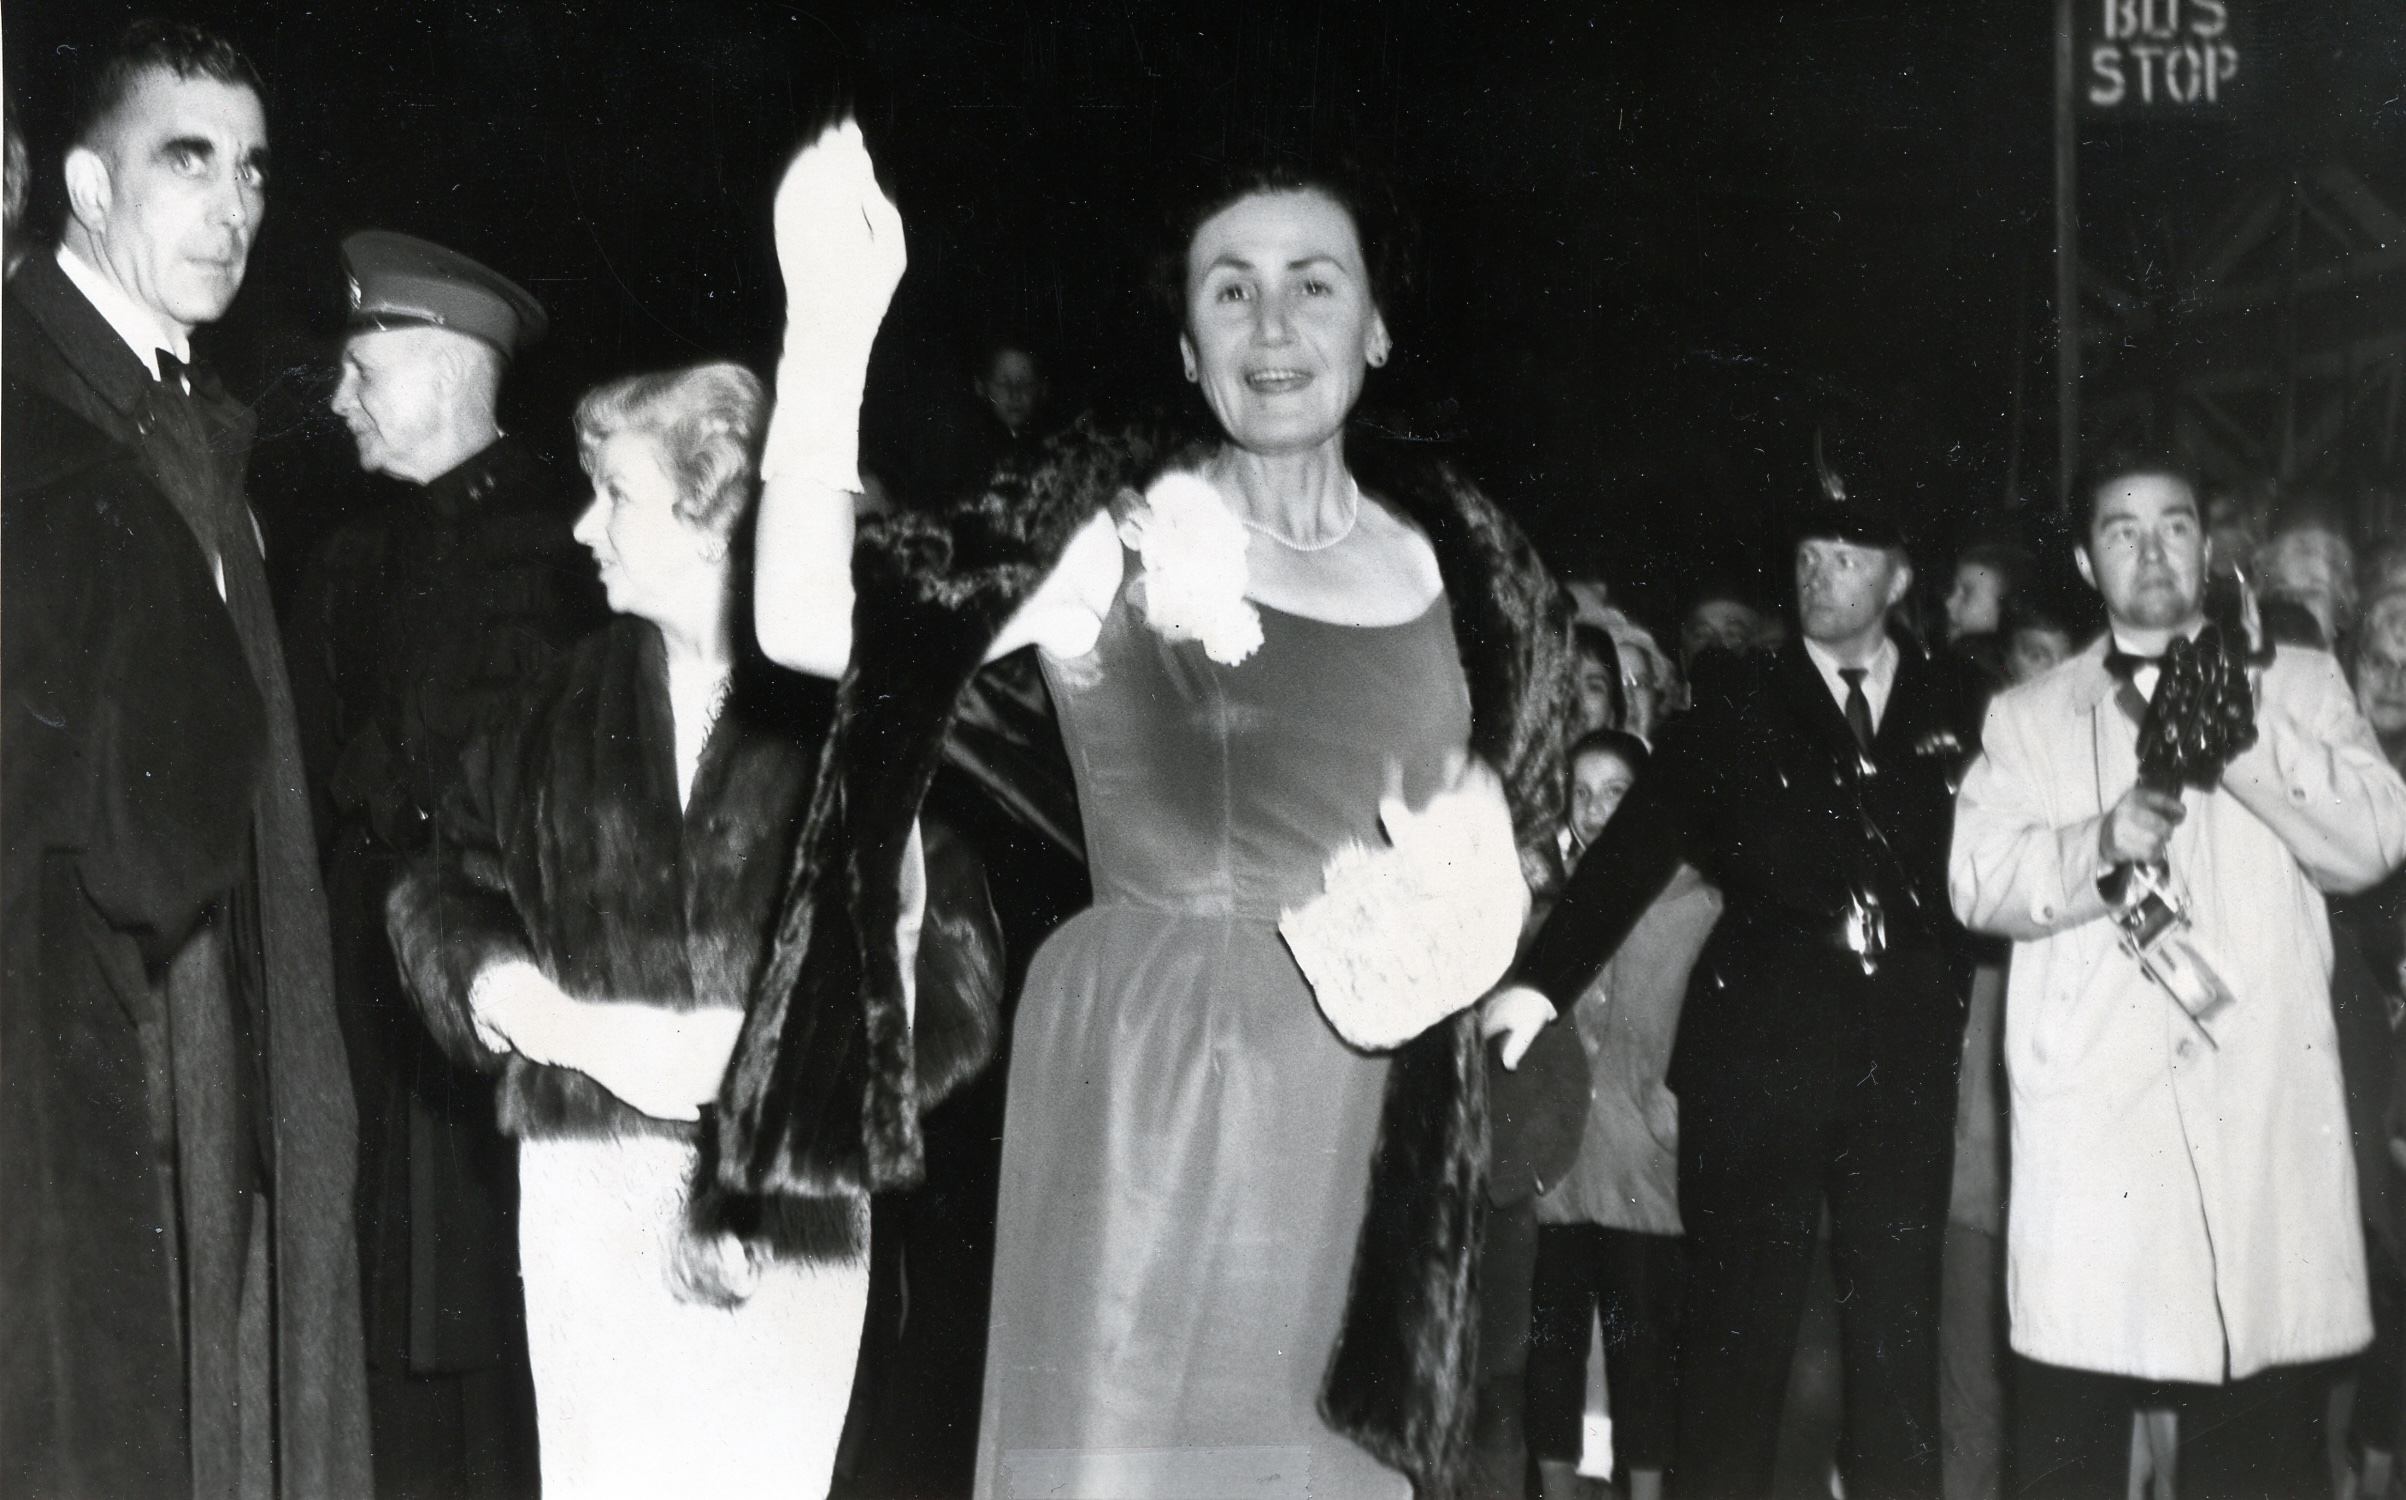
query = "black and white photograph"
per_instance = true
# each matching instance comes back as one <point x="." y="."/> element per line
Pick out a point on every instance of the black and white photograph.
<point x="1203" y="750"/>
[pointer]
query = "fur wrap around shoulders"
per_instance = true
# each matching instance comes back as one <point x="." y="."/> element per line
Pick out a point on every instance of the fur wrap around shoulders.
<point x="824" y="1096"/>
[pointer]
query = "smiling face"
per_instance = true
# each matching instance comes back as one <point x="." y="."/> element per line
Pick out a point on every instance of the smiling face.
<point x="2146" y="553"/>
<point x="171" y="194"/>
<point x="1280" y="322"/>
<point x="653" y="562"/>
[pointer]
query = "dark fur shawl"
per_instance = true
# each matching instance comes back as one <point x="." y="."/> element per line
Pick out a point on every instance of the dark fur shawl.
<point x="820" y="1100"/>
<point x="562" y="843"/>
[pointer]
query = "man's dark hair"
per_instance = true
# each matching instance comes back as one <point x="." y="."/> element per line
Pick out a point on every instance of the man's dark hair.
<point x="151" y="46"/>
<point x="2124" y="463"/>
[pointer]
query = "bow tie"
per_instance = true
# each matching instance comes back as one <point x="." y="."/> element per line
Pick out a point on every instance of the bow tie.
<point x="2123" y="665"/>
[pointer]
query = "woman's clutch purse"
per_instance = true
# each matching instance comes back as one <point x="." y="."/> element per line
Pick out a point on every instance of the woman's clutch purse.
<point x="1403" y="936"/>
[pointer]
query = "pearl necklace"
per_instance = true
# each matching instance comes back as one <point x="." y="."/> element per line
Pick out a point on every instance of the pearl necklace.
<point x="1353" y="518"/>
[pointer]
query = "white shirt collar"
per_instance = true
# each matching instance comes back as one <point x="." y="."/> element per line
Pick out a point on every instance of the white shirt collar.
<point x="1879" y="674"/>
<point x="144" y="331"/>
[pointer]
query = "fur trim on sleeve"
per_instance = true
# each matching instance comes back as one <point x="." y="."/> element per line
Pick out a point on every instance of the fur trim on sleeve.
<point x="824" y="1095"/>
<point x="447" y="926"/>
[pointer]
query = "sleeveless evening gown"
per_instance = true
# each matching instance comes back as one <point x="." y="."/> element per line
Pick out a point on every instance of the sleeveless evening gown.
<point x="1187" y="1143"/>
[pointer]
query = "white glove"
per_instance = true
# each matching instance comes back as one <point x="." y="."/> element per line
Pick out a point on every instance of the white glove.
<point x="1516" y="1013"/>
<point x="1405" y="936"/>
<point x="507" y="1003"/>
<point x="665" y="1063"/>
<point x="840" y="247"/>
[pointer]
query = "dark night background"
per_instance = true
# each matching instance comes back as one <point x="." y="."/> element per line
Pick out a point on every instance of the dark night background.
<point x="1659" y="243"/>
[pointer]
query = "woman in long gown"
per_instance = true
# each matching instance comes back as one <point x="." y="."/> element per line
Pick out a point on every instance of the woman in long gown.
<point x="597" y="904"/>
<point x="1240" y="1208"/>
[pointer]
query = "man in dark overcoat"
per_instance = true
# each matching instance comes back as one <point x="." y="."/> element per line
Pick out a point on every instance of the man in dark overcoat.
<point x="180" y="1307"/>
<point x="412" y="623"/>
<point x="1817" y="1053"/>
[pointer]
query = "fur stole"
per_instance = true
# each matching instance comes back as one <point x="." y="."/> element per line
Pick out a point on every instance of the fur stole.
<point x="825" y="1093"/>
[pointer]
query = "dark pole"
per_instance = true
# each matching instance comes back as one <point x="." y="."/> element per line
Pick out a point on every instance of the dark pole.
<point x="2067" y="266"/>
<point x="2014" y="498"/>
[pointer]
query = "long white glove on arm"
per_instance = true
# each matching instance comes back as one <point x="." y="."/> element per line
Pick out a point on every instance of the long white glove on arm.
<point x="840" y="250"/>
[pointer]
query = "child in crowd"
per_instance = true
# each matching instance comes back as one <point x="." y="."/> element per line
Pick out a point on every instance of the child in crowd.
<point x="1608" y="1241"/>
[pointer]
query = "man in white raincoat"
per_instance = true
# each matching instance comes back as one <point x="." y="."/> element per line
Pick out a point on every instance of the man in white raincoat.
<point x="2183" y="1220"/>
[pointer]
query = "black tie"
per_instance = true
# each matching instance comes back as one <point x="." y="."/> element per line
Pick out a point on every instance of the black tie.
<point x="171" y="373"/>
<point x="1858" y="707"/>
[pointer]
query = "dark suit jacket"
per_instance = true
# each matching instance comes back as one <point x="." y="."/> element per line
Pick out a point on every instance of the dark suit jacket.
<point x="1761" y="788"/>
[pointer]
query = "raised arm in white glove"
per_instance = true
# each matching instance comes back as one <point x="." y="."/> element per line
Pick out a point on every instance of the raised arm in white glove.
<point x="840" y="249"/>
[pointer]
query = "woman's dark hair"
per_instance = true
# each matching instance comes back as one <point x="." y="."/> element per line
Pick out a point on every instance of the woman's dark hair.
<point x="1630" y="750"/>
<point x="1594" y="643"/>
<point x="1388" y="235"/>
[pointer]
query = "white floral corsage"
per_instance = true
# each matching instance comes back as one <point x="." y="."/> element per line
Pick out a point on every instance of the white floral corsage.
<point x="1193" y="550"/>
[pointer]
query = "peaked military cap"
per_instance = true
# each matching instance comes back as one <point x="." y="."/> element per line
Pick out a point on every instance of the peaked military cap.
<point x="401" y="281"/>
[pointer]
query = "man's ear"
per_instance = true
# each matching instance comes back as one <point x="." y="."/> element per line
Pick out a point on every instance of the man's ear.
<point x="2088" y="570"/>
<point x="1900" y="583"/>
<point x="90" y="190"/>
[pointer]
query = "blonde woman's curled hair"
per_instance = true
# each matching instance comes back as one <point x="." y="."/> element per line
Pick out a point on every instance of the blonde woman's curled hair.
<point x="706" y="421"/>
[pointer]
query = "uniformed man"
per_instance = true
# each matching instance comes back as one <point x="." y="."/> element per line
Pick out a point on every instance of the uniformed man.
<point x="1816" y="1056"/>
<point x="413" y="621"/>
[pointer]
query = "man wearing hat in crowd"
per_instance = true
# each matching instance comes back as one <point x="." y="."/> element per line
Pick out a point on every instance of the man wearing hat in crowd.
<point x="1816" y="1056"/>
<point x="412" y="622"/>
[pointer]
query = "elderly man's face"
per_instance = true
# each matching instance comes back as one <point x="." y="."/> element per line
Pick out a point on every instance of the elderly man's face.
<point x="392" y="396"/>
<point x="179" y="195"/>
